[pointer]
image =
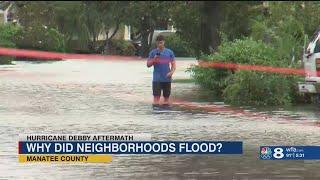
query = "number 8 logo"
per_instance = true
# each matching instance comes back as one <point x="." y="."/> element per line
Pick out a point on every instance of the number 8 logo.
<point x="278" y="153"/>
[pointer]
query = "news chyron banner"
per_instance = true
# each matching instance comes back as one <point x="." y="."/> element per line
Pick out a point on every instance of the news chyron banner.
<point x="98" y="148"/>
<point x="289" y="153"/>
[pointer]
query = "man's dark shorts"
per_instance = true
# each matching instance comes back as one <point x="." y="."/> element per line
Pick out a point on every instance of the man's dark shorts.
<point x="164" y="86"/>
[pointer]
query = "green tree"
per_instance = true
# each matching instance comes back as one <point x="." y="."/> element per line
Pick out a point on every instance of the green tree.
<point x="285" y="26"/>
<point x="203" y="23"/>
<point x="92" y="21"/>
<point x="186" y="19"/>
<point x="39" y="29"/>
<point x="69" y="21"/>
<point x="112" y="13"/>
<point x="237" y="17"/>
<point x="145" y="17"/>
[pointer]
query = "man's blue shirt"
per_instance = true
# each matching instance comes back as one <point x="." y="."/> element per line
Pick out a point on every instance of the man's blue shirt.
<point x="162" y="67"/>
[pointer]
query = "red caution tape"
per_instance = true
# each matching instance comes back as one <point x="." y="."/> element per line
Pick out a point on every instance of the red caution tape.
<point x="251" y="68"/>
<point x="60" y="56"/>
<point x="54" y="55"/>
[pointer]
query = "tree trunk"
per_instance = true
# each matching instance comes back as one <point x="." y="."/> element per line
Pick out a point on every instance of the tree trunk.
<point x="150" y="38"/>
<point x="115" y="30"/>
<point x="210" y="23"/>
<point x="92" y="46"/>
<point x="136" y="37"/>
<point x="144" y="40"/>
<point x="106" y="43"/>
<point x="144" y="44"/>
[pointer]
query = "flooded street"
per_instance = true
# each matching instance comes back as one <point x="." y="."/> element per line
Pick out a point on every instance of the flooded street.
<point x="104" y="97"/>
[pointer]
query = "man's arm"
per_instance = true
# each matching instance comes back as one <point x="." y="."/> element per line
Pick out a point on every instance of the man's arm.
<point x="173" y="65"/>
<point x="173" y="68"/>
<point x="152" y="61"/>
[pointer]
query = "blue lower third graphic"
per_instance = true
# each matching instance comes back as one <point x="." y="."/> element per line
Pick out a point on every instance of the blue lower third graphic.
<point x="131" y="147"/>
<point x="289" y="152"/>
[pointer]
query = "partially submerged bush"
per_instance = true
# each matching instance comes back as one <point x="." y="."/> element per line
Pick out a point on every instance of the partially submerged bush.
<point x="246" y="51"/>
<point x="212" y="79"/>
<point x="248" y="87"/>
<point x="259" y="88"/>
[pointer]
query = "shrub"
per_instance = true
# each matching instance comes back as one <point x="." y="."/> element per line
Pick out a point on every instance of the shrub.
<point x="212" y="79"/>
<point x="244" y="51"/>
<point x="78" y="46"/>
<point x="54" y="41"/>
<point x="121" y="47"/>
<point x="248" y="87"/>
<point x="259" y="88"/>
<point x="7" y="34"/>
<point x="41" y="38"/>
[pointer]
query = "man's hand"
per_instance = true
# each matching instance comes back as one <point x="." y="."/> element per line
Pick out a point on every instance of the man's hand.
<point x="154" y="61"/>
<point x="173" y="69"/>
<point x="169" y="75"/>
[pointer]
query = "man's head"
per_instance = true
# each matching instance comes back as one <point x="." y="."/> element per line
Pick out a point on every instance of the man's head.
<point x="160" y="41"/>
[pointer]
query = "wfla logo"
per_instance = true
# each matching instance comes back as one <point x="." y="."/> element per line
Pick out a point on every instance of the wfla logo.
<point x="266" y="153"/>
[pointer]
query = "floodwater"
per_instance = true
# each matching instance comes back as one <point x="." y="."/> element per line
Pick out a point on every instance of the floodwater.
<point x="103" y="97"/>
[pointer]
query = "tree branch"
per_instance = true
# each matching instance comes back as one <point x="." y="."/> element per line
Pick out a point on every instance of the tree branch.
<point x="115" y="31"/>
<point x="151" y="36"/>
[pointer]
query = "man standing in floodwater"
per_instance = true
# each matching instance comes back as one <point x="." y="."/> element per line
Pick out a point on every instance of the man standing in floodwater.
<point x="161" y="58"/>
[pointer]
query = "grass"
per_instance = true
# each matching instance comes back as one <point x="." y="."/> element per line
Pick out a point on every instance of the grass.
<point x="183" y="81"/>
